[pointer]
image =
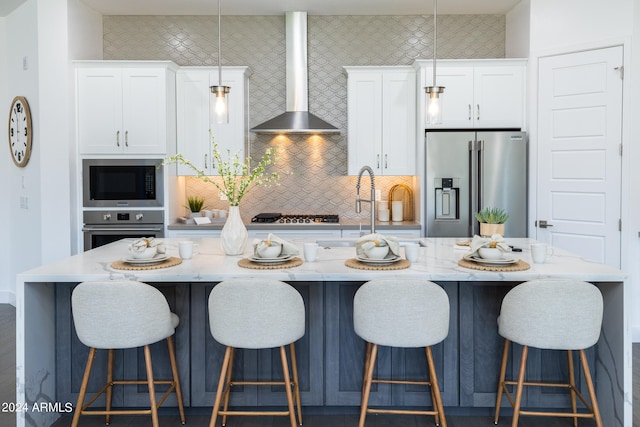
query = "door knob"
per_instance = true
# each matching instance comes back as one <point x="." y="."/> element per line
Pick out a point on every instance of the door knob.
<point x="543" y="224"/>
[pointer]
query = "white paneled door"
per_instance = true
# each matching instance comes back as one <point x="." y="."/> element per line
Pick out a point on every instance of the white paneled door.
<point x="579" y="153"/>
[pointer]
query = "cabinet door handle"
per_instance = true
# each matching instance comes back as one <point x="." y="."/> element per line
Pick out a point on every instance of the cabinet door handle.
<point x="378" y="161"/>
<point x="478" y="107"/>
<point x="205" y="161"/>
<point x="469" y="112"/>
<point x="386" y="163"/>
<point x="118" y="139"/>
<point x="126" y="138"/>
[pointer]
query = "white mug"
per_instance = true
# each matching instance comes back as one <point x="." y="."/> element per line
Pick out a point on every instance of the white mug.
<point x="412" y="251"/>
<point x="186" y="248"/>
<point x="539" y="252"/>
<point x="310" y="252"/>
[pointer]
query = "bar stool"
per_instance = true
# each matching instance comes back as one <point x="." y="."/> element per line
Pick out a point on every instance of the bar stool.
<point x="256" y="314"/>
<point x="552" y="314"/>
<point x="118" y="315"/>
<point x="407" y="313"/>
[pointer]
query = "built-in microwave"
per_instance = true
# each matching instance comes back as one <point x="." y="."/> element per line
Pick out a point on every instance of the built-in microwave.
<point x="118" y="183"/>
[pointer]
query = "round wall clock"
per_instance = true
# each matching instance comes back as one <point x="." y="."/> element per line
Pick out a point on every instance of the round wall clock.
<point x="20" y="131"/>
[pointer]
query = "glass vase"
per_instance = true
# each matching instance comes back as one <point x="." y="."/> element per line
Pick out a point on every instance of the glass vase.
<point x="234" y="236"/>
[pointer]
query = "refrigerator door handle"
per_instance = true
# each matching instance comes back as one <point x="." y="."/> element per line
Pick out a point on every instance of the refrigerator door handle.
<point x="478" y="108"/>
<point x="469" y="112"/>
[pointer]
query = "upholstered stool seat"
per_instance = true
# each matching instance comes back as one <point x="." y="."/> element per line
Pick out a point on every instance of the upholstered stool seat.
<point x="119" y="315"/>
<point x="256" y="314"/>
<point x="551" y="314"/>
<point x="401" y="313"/>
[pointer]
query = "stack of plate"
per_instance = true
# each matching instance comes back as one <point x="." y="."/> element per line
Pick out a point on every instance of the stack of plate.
<point x="276" y="260"/>
<point x="505" y="260"/>
<point x="388" y="260"/>
<point x="148" y="261"/>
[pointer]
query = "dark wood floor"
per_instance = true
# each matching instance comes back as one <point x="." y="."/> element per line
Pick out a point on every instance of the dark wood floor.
<point x="7" y="394"/>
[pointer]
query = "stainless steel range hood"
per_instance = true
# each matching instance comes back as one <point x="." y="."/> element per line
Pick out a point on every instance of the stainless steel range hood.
<point x="297" y="118"/>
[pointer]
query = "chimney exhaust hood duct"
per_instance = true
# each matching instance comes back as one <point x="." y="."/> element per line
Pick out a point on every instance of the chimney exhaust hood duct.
<point x="297" y="118"/>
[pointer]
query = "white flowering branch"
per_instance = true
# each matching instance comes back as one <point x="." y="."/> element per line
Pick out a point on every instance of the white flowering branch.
<point x="236" y="177"/>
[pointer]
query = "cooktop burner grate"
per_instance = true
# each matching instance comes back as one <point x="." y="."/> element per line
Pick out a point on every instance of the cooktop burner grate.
<point x="296" y="218"/>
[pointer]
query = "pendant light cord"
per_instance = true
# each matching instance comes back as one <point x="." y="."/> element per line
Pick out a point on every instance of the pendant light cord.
<point x="435" y="38"/>
<point x="219" y="47"/>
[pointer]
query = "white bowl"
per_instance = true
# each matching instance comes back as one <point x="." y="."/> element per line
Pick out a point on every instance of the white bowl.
<point x="272" y="251"/>
<point x="490" y="253"/>
<point x="147" y="253"/>
<point x="377" y="252"/>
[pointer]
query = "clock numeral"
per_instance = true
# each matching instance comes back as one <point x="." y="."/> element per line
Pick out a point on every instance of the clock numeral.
<point x="26" y="132"/>
<point x="19" y="108"/>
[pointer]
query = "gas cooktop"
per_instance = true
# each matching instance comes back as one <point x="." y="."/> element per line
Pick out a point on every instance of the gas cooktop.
<point x="279" y="218"/>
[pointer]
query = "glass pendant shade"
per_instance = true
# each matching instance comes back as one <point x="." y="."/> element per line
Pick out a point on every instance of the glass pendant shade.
<point x="220" y="104"/>
<point x="434" y="104"/>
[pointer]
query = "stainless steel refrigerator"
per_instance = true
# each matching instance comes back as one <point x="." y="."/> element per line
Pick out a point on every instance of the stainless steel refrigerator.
<point x="467" y="171"/>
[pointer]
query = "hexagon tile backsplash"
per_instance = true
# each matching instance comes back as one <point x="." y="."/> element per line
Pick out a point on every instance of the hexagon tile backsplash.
<point x="318" y="183"/>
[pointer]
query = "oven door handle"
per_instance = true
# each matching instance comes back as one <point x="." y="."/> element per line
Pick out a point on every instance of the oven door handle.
<point x="98" y="228"/>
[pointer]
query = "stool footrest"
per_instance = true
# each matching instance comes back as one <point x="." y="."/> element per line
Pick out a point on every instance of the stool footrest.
<point x="400" y="411"/>
<point x="414" y="382"/>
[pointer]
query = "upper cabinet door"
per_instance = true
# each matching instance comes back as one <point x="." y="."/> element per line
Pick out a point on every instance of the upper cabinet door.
<point x="499" y="97"/>
<point x="196" y="129"/>
<point x="398" y="123"/>
<point x="381" y="111"/>
<point x="125" y="107"/>
<point x="479" y="93"/>
<point x="144" y="106"/>
<point x="99" y="110"/>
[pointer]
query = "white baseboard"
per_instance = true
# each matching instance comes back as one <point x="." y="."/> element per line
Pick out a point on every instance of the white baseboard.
<point x="635" y="333"/>
<point x="8" y="297"/>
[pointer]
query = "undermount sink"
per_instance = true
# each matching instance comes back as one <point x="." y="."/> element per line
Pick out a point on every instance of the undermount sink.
<point x="346" y="243"/>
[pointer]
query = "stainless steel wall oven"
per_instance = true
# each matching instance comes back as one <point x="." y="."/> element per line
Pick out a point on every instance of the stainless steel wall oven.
<point x="106" y="226"/>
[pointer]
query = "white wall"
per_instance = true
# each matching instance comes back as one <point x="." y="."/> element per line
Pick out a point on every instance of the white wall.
<point x="518" y="31"/>
<point x="5" y="161"/>
<point x="23" y="225"/>
<point x="58" y="30"/>
<point x="595" y="24"/>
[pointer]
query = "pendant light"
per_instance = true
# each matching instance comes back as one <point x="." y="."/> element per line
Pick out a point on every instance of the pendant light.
<point x="220" y="107"/>
<point x="434" y="100"/>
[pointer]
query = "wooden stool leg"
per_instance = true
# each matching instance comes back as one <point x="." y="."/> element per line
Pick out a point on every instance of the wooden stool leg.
<point x="519" y="388"/>
<point x="83" y="387"/>
<point x="572" y="383"/>
<point x="227" y="386"/>
<point x="151" y="386"/>
<point x="176" y="377"/>
<point x="367" y="356"/>
<point x="501" y="386"/>
<point x="436" y="389"/>
<point x="109" y="385"/>
<point x="367" y="383"/>
<point x="223" y="372"/>
<point x="296" y="385"/>
<point x="287" y="385"/>
<point x="592" y="391"/>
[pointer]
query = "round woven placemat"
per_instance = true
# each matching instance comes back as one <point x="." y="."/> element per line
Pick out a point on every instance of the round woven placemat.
<point x="246" y="263"/>
<point x="123" y="265"/>
<point x="517" y="266"/>
<point x="398" y="265"/>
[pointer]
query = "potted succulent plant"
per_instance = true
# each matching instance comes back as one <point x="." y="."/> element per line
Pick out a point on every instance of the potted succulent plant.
<point x="492" y="221"/>
<point x="195" y="205"/>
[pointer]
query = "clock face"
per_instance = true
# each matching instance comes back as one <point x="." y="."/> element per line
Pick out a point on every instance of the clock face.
<point x="20" y="130"/>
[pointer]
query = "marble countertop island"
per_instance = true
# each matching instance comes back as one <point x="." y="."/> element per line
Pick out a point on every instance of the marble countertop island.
<point x="36" y="308"/>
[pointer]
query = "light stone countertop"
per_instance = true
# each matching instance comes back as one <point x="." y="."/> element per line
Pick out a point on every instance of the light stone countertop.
<point x="438" y="262"/>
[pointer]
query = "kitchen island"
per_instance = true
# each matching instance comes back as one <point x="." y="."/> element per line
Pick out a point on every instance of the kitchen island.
<point x="50" y="360"/>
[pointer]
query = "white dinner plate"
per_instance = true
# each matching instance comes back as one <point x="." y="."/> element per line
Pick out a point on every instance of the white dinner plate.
<point x="278" y="259"/>
<point x="156" y="259"/>
<point x="379" y="261"/>
<point x="501" y="261"/>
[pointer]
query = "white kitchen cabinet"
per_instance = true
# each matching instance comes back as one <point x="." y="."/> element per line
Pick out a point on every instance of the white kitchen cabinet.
<point x="125" y="107"/>
<point x="487" y="93"/>
<point x="381" y="112"/>
<point x="386" y="230"/>
<point x="195" y="127"/>
<point x="308" y="233"/>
